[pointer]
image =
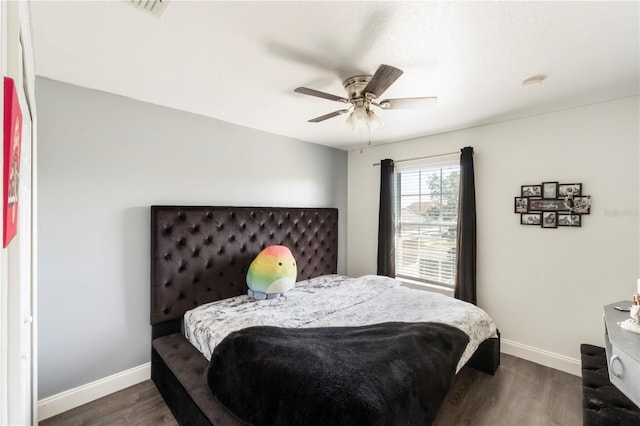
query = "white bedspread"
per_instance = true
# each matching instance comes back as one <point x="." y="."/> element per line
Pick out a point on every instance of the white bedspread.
<point x="336" y="300"/>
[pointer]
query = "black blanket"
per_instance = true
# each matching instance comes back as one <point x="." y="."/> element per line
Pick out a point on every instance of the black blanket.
<point x="382" y="374"/>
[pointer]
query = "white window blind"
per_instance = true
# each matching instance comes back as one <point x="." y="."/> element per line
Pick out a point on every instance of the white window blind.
<point x="427" y="217"/>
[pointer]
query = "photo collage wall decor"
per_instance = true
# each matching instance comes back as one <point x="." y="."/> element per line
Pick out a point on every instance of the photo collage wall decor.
<point x="552" y="204"/>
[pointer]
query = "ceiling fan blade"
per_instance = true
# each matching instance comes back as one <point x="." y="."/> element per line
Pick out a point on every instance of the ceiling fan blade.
<point x="384" y="77"/>
<point x="327" y="116"/>
<point x="409" y="103"/>
<point x="319" y="94"/>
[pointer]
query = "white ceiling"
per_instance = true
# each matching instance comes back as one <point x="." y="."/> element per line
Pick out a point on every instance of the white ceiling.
<point x="240" y="61"/>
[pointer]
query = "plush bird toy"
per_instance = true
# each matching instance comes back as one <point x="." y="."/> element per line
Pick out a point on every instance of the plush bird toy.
<point x="272" y="273"/>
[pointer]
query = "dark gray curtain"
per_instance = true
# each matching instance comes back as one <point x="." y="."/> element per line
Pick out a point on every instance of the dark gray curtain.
<point x="387" y="221"/>
<point x="466" y="237"/>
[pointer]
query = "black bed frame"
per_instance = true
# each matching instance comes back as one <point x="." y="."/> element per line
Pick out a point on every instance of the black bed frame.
<point x="201" y="254"/>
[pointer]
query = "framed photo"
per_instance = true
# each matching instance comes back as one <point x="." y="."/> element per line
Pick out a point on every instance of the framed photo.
<point x="549" y="219"/>
<point x="582" y="204"/>
<point x="549" y="189"/>
<point x="531" y="191"/>
<point x="521" y="205"/>
<point x="552" y="204"/>
<point x="569" y="219"/>
<point x="571" y="189"/>
<point x="546" y="205"/>
<point x="530" y="219"/>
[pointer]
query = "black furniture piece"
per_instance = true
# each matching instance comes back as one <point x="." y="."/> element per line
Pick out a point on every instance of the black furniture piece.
<point x="602" y="403"/>
<point x="201" y="254"/>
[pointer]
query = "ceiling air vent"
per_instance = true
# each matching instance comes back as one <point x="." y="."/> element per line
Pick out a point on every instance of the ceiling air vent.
<point x="152" y="7"/>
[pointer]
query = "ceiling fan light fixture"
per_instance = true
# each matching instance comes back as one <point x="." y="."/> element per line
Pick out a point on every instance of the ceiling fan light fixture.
<point x="363" y="118"/>
<point x="351" y="123"/>
<point x="358" y="118"/>
<point x="375" y="122"/>
<point x="360" y="114"/>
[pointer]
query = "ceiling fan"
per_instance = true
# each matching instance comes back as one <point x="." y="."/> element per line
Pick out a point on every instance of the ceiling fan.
<point x="362" y="93"/>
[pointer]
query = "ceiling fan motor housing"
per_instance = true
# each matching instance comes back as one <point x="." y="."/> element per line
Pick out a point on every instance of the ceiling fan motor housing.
<point x="355" y="85"/>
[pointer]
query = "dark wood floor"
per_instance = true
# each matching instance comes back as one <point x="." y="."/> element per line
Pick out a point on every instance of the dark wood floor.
<point x="520" y="394"/>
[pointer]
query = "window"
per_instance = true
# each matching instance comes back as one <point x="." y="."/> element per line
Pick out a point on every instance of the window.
<point x="427" y="218"/>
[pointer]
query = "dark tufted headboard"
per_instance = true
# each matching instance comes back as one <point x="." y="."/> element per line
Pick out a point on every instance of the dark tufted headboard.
<point x="202" y="254"/>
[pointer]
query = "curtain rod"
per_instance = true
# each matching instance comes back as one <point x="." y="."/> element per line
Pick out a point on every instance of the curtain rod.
<point x="422" y="158"/>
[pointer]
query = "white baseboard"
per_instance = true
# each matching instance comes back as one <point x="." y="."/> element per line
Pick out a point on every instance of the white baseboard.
<point x="540" y="356"/>
<point x="72" y="398"/>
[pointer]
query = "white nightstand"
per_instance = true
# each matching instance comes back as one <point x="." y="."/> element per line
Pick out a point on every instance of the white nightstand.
<point x="623" y="352"/>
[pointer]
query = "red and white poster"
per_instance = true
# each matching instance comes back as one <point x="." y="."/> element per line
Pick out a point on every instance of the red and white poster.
<point x="12" y="131"/>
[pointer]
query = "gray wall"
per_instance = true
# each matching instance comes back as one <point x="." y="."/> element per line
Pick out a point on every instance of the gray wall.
<point x="103" y="160"/>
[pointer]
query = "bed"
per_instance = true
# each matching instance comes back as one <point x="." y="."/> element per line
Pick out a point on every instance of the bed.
<point x="200" y="255"/>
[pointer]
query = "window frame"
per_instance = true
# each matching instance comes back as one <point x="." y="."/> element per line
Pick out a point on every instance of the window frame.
<point x="440" y="163"/>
